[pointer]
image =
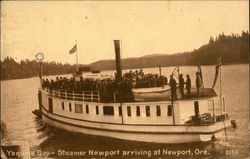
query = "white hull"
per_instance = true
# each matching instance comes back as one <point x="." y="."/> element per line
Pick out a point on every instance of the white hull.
<point x="159" y="138"/>
<point x="174" y="135"/>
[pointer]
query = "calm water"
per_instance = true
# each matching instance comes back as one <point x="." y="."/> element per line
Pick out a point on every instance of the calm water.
<point x="19" y="98"/>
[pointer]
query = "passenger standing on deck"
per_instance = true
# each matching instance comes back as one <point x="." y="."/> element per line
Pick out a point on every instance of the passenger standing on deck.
<point x="198" y="83"/>
<point x="172" y="83"/>
<point x="188" y="85"/>
<point x="181" y="82"/>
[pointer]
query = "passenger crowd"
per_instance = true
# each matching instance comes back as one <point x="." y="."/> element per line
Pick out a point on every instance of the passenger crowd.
<point x="182" y="84"/>
<point x="121" y="88"/>
<point x="140" y="80"/>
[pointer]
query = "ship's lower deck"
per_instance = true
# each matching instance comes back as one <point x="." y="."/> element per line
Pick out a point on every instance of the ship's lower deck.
<point x="143" y="133"/>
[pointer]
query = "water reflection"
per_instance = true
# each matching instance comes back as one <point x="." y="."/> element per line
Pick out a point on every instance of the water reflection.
<point x="57" y="140"/>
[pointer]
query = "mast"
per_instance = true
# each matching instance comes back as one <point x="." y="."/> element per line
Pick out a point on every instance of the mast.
<point x="220" y="63"/>
<point x="160" y="70"/>
<point x="220" y="93"/>
<point x="178" y="71"/>
<point x="40" y="72"/>
<point x="77" y="67"/>
<point x="40" y="57"/>
<point x="221" y="103"/>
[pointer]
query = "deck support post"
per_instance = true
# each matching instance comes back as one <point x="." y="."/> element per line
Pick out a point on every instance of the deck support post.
<point x="172" y="103"/>
<point x="214" y="117"/>
<point x="121" y="112"/>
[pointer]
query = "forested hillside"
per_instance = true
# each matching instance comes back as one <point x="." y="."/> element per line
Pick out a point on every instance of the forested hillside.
<point x="232" y="49"/>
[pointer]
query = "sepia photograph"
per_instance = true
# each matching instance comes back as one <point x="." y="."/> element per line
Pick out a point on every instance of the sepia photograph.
<point x="108" y="79"/>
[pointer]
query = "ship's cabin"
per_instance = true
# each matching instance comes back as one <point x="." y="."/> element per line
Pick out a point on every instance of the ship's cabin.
<point x="87" y="106"/>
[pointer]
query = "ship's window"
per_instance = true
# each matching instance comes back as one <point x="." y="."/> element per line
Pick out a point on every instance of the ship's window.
<point x="62" y="105"/>
<point x="158" y="110"/>
<point x="120" y="111"/>
<point x="147" y="110"/>
<point x="70" y="109"/>
<point x="87" y="109"/>
<point x="129" y="110"/>
<point x="108" y="110"/>
<point x="138" y="112"/>
<point x="97" y="109"/>
<point x="169" y="110"/>
<point x="78" y="108"/>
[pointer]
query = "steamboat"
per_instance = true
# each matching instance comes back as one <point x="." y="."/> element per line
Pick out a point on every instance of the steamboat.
<point x="149" y="115"/>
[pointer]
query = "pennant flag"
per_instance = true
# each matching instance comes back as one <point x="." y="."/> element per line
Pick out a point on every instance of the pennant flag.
<point x="73" y="50"/>
<point x="217" y="67"/>
<point x="176" y="69"/>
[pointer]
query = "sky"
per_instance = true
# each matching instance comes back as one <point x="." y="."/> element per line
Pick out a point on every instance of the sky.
<point x="144" y="27"/>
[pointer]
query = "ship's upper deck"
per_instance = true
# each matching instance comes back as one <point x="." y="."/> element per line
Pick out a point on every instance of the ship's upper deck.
<point x="131" y="87"/>
<point x="138" y="95"/>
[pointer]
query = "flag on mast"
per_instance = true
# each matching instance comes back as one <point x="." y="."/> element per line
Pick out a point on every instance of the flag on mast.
<point x="178" y="71"/>
<point x="73" y="50"/>
<point x="217" y="67"/>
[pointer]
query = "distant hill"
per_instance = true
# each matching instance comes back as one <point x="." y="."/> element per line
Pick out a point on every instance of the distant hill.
<point x="232" y="49"/>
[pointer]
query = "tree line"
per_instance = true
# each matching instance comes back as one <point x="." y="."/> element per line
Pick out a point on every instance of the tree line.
<point x="10" y="69"/>
<point x="233" y="49"/>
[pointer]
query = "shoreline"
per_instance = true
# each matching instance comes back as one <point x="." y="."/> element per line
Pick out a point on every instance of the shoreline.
<point x="227" y="64"/>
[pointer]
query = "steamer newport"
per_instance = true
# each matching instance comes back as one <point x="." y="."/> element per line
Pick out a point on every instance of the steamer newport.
<point x="140" y="114"/>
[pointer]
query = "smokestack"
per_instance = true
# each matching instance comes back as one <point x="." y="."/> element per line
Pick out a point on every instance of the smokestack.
<point x="118" y="59"/>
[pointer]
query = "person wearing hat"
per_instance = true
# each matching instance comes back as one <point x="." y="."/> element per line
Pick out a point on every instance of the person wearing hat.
<point x="198" y="83"/>
<point x="172" y="84"/>
<point x="181" y="82"/>
<point x="188" y="85"/>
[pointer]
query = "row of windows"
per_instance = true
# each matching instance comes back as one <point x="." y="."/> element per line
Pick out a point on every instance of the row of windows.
<point x="109" y="110"/>
<point x="158" y="110"/>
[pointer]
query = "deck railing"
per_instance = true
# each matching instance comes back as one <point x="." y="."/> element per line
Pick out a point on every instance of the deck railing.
<point x="87" y="96"/>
